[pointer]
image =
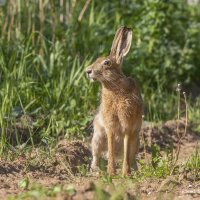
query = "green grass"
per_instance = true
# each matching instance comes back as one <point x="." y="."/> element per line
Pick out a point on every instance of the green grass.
<point x="193" y="164"/>
<point x="52" y="94"/>
<point x="43" y="57"/>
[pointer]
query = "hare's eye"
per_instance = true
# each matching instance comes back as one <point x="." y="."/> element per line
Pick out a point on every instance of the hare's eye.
<point x="107" y="62"/>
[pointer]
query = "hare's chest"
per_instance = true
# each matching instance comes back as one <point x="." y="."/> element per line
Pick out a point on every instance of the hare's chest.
<point x="110" y="108"/>
<point x="117" y="115"/>
<point x="118" y="106"/>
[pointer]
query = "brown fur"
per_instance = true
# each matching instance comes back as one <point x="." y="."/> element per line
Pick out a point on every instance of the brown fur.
<point x="120" y="114"/>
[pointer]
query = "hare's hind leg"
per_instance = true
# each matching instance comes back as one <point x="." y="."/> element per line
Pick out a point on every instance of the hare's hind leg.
<point x="134" y="146"/>
<point x="99" y="145"/>
<point x="131" y="145"/>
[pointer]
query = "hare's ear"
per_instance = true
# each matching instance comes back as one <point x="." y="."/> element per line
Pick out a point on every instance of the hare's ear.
<point x="121" y="43"/>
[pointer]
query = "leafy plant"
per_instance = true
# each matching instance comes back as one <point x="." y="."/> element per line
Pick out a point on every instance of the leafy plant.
<point x="44" y="50"/>
<point x="24" y="183"/>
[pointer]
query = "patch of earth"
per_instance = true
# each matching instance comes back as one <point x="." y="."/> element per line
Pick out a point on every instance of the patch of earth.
<point x="43" y="168"/>
<point x="167" y="137"/>
<point x="19" y="128"/>
<point x="62" y="167"/>
<point x="170" y="188"/>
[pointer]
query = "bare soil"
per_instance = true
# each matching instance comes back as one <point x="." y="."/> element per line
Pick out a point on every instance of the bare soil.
<point x="69" y="163"/>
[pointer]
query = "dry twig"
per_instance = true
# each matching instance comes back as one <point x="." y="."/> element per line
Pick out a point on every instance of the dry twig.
<point x="180" y="138"/>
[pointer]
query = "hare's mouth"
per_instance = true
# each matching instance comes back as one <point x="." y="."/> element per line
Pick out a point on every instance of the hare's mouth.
<point x="91" y="77"/>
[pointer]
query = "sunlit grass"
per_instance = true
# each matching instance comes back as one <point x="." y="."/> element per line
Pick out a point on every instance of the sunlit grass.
<point x="42" y="62"/>
<point x="55" y="88"/>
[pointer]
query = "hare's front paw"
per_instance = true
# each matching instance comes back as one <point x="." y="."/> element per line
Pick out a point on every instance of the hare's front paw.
<point x="126" y="171"/>
<point x="95" y="170"/>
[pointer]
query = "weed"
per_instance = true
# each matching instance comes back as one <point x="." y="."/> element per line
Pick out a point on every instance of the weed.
<point x="83" y="170"/>
<point x="106" y="178"/>
<point x="193" y="164"/>
<point x="24" y="183"/>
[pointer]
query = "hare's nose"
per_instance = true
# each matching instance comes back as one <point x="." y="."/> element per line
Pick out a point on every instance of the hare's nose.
<point x="88" y="71"/>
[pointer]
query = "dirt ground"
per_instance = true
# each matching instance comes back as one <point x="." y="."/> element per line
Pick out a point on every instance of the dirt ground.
<point x="63" y="167"/>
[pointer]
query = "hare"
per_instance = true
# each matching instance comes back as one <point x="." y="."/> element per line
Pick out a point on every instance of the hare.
<point x="120" y="113"/>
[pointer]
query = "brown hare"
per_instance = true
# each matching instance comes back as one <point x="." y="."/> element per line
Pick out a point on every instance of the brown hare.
<point x="120" y="113"/>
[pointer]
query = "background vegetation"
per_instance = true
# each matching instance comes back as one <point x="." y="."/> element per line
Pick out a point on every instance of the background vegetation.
<point x="45" y="46"/>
